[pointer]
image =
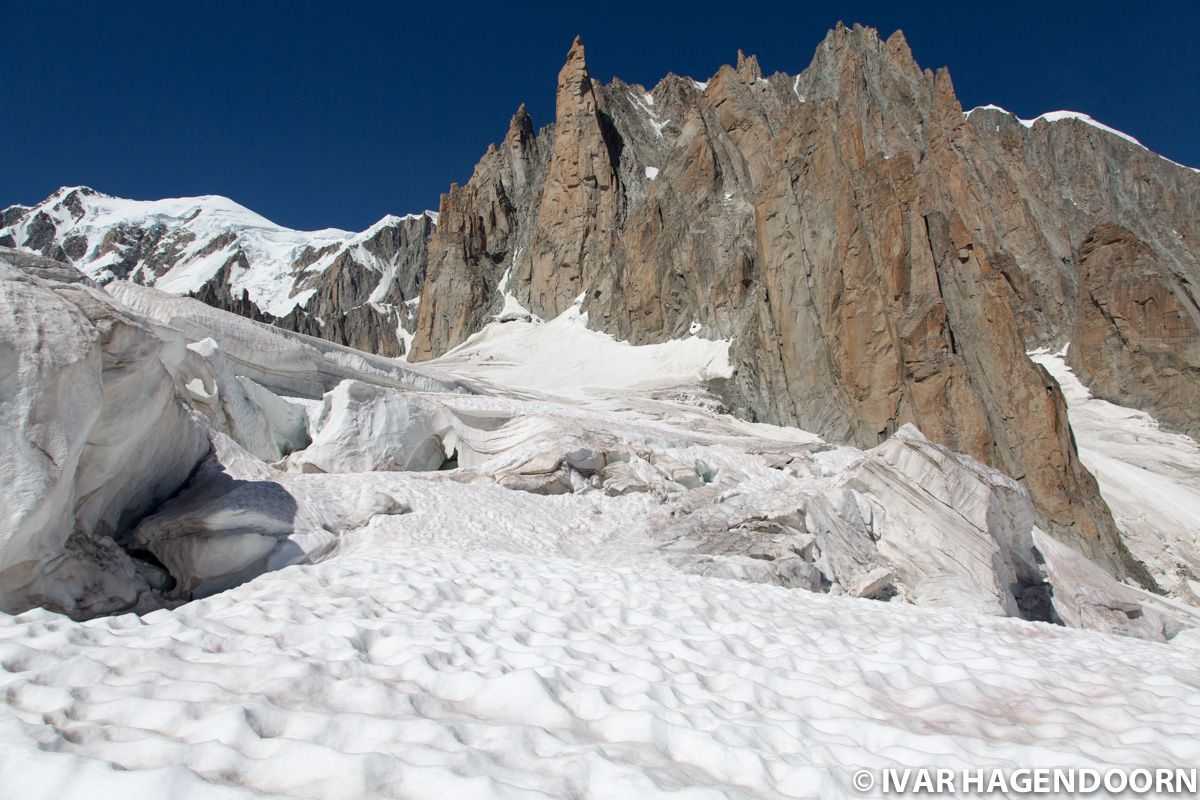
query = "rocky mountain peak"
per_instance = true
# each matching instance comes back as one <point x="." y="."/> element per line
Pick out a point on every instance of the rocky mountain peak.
<point x="352" y="288"/>
<point x="576" y="218"/>
<point x="859" y="56"/>
<point x="747" y="67"/>
<point x="877" y="257"/>
<point x="575" y="95"/>
<point x="520" y="127"/>
<point x="896" y="47"/>
<point x="848" y="228"/>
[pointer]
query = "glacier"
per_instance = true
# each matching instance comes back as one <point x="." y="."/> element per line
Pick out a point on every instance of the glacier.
<point x="238" y="561"/>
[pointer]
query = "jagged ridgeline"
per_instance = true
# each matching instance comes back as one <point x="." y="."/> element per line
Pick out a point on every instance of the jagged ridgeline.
<point x="876" y="256"/>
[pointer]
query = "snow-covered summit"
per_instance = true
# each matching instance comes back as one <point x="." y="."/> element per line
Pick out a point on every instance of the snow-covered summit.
<point x="99" y="209"/>
<point x="214" y="245"/>
<point x="192" y="238"/>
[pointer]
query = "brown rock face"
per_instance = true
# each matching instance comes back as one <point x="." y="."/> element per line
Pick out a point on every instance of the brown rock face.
<point x="576" y="219"/>
<point x="478" y="237"/>
<point x="877" y="256"/>
<point x="1136" y="333"/>
<point x="877" y="305"/>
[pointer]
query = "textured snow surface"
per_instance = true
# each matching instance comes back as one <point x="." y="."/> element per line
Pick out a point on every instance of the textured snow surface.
<point x="1149" y="477"/>
<point x="397" y="672"/>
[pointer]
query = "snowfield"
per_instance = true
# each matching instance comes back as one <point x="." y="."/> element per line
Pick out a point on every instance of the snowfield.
<point x="545" y="565"/>
<point x="394" y="671"/>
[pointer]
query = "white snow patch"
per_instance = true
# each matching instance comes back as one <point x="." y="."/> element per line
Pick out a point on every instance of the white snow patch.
<point x="512" y="310"/>
<point x="651" y="172"/>
<point x="1056" y="116"/>
<point x="403" y="334"/>
<point x="988" y="107"/>
<point x="563" y="357"/>
<point x="655" y="122"/>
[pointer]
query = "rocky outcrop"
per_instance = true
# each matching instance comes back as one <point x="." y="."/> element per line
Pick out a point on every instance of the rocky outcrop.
<point x="1135" y="339"/>
<point x="878" y="257"/>
<point x="576" y="221"/>
<point x="1048" y="182"/>
<point x="479" y="236"/>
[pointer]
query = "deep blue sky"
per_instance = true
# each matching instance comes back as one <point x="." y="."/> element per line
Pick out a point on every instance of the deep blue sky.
<point x="333" y="114"/>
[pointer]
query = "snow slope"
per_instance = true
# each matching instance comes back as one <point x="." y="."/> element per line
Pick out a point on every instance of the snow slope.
<point x="1149" y="477"/>
<point x="565" y="358"/>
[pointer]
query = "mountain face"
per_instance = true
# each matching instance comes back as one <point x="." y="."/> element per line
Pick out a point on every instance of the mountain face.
<point x="877" y="256"/>
<point x="354" y="289"/>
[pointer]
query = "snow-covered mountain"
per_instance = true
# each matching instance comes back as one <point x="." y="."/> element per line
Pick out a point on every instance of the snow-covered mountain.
<point x="357" y="289"/>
